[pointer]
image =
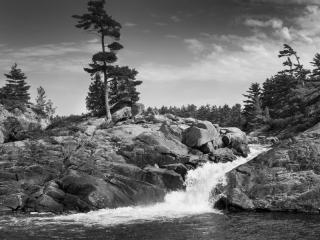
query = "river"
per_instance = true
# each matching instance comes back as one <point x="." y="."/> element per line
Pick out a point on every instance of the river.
<point x="183" y="215"/>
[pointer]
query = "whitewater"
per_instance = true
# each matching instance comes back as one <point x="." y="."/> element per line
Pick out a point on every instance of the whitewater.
<point x="194" y="200"/>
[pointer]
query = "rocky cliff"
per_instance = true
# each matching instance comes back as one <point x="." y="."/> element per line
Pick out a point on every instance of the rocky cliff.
<point x="286" y="178"/>
<point x="79" y="165"/>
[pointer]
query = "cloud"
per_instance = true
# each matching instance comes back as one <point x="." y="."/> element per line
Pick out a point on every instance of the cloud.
<point x="172" y="36"/>
<point x="306" y="2"/>
<point x="175" y="18"/>
<point x="233" y="58"/>
<point x="274" y="23"/>
<point x="195" y="45"/>
<point x="161" y="24"/>
<point x="51" y="50"/>
<point x="129" y="24"/>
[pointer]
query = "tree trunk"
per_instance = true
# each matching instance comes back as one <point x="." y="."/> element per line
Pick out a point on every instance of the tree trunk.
<point x="108" y="113"/>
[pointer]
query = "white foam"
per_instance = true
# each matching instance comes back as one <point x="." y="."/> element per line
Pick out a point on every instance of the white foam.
<point x="194" y="200"/>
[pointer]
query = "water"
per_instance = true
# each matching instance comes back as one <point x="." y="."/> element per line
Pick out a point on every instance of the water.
<point x="184" y="215"/>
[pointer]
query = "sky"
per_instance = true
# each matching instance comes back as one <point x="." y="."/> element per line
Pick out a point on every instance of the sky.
<point x="186" y="51"/>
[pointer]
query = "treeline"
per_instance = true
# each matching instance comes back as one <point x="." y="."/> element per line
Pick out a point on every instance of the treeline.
<point x="15" y="94"/>
<point x="224" y="115"/>
<point x="289" y="98"/>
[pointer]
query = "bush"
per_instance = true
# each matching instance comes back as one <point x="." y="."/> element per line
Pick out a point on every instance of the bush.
<point x="10" y="105"/>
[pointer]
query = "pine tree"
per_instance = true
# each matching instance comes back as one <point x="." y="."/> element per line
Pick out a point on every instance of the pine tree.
<point x="40" y="100"/>
<point x="95" y="101"/>
<point x="98" y="22"/>
<point x="16" y="87"/>
<point x="44" y="107"/>
<point x="254" y="91"/>
<point x="123" y="87"/>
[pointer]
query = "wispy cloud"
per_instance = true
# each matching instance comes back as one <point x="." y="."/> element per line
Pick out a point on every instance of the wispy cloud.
<point x="130" y="24"/>
<point x="50" y="50"/>
<point x="231" y="58"/>
<point x="161" y="24"/>
<point x="195" y="45"/>
<point x="172" y="36"/>
<point x="175" y="18"/>
<point x="306" y="2"/>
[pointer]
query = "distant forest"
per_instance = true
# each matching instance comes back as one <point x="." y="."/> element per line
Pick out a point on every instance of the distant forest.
<point x="224" y="116"/>
<point x="290" y="98"/>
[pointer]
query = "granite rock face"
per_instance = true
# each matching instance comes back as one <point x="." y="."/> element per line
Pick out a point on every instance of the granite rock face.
<point x="13" y="125"/>
<point x="82" y="166"/>
<point x="286" y="178"/>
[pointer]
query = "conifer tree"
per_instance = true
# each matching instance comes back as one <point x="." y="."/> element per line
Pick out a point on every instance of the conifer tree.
<point x="253" y="92"/>
<point x="46" y="107"/>
<point x="95" y="101"/>
<point x="16" y="88"/>
<point x="123" y="87"/>
<point x="40" y="100"/>
<point x="98" y="22"/>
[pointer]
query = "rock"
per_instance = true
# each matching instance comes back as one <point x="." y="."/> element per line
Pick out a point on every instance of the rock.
<point x="137" y="109"/>
<point x="45" y="204"/>
<point x="178" y="168"/>
<point x="154" y="148"/>
<point x="236" y="139"/>
<point x="139" y="119"/>
<point x="172" y="181"/>
<point x="222" y="155"/>
<point x="117" y="192"/>
<point x="12" y="202"/>
<point x="172" y="131"/>
<point x="196" y="137"/>
<point x="286" y="178"/>
<point x="158" y="118"/>
<point x="207" y="148"/>
<point x="122" y="114"/>
<point x="189" y="121"/>
<point x="126" y="132"/>
<point x="172" y="117"/>
<point x="14" y="125"/>
<point x="90" y="130"/>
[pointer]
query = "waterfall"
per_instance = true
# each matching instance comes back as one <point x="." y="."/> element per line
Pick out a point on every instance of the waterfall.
<point x="194" y="200"/>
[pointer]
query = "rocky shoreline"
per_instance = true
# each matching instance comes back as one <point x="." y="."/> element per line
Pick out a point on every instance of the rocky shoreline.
<point x="81" y="165"/>
<point x="286" y="178"/>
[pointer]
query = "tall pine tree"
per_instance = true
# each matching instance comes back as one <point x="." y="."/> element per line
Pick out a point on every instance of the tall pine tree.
<point x="98" y="22"/>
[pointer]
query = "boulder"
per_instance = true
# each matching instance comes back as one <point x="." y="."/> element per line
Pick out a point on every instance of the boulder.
<point x="178" y="168"/>
<point x="171" y="131"/>
<point x="116" y="192"/>
<point x="122" y="114"/>
<point x="236" y="139"/>
<point x="137" y="109"/>
<point x="157" y="118"/>
<point x="222" y="155"/>
<point x="207" y="148"/>
<point x="172" y="181"/>
<point x="154" y="148"/>
<point x="199" y="134"/>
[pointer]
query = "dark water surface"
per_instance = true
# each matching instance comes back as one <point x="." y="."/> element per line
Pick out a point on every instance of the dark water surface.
<point x="248" y="225"/>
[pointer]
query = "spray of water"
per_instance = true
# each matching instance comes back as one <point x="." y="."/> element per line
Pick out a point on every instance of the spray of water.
<point x="194" y="200"/>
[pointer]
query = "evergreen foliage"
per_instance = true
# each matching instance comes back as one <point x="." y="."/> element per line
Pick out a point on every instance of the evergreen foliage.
<point x="42" y="106"/>
<point x="289" y="98"/>
<point x="15" y="93"/>
<point x="95" y="101"/>
<point x="98" y="22"/>
<point x="224" y="116"/>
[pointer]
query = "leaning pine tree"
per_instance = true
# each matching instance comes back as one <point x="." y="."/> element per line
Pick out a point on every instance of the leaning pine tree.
<point x="98" y="22"/>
